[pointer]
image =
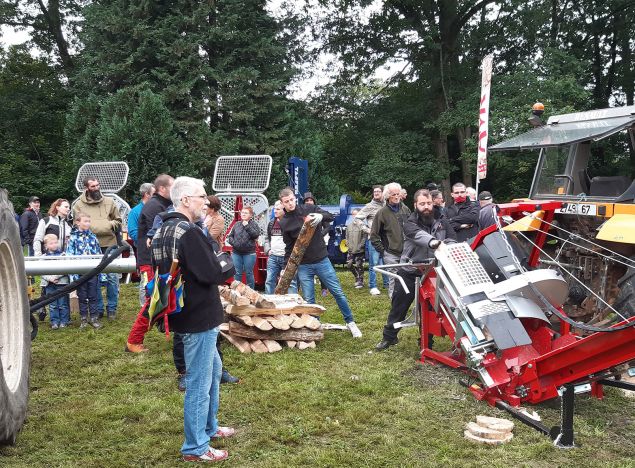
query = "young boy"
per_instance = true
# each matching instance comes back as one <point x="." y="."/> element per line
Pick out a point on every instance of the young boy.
<point x="84" y="242"/>
<point x="59" y="311"/>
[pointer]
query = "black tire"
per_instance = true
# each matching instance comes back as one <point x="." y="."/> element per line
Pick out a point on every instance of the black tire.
<point x="625" y="302"/>
<point x="15" y="330"/>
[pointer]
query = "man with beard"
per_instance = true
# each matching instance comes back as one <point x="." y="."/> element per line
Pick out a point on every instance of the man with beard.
<point x="105" y="221"/>
<point x="463" y="213"/>
<point x="424" y="231"/>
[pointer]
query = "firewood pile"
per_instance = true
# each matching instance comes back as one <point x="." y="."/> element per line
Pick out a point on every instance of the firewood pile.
<point x="266" y="323"/>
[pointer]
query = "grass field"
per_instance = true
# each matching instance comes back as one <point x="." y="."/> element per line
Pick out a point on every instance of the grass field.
<point x="91" y="404"/>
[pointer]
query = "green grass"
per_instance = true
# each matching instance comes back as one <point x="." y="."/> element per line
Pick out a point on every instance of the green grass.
<point x="91" y="404"/>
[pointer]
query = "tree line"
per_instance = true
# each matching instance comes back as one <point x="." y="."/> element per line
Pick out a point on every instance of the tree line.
<point x="169" y="86"/>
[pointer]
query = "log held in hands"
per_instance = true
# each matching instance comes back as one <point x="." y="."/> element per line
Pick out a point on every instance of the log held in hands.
<point x="299" y="248"/>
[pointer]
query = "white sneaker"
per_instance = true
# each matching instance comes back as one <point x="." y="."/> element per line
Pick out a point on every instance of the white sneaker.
<point x="375" y="292"/>
<point x="354" y="329"/>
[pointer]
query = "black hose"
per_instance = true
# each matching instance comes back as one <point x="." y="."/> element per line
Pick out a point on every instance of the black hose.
<point x="109" y="256"/>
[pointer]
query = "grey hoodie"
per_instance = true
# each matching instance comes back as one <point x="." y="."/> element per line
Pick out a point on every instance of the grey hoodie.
<point x="366" y="215"/>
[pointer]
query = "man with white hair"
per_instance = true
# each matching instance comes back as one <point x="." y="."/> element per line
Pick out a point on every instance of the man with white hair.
<point x="198" y="321"/>
<point x="386" y="234"/>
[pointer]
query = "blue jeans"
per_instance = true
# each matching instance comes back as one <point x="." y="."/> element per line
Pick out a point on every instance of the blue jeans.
<point x="60" y="310"/>
<point x="374" y="259"/>
<point x="202" y="381"/>
<point x="325" y="271"/>
<point x="245" y="263"/>
<point x="275" y="264"/>
<point x="87" y="296"/>
<point x="112" y="295"/>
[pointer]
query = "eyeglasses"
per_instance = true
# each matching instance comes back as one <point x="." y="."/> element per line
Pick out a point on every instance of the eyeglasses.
<point x="197" y="196"/>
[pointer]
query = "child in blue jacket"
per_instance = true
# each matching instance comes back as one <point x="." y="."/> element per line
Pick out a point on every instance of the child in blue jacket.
<point x="84" y="242"/>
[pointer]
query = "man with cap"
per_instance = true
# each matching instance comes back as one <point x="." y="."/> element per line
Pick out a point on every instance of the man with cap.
<point x="487" y="214"/>
<point x="28" y="223"/>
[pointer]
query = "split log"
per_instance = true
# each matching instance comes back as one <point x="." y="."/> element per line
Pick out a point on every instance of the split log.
<point x="469" y="436"/>
<point x="240" y="343"/>
<point x="291" y="343"/>
<point x="299" y="247"/>
<point x="246" y="319"/>
<point x="485" y="433"/>
<point x="261" y="323"/>
<point x="254" y="297"/>
<point x="224" y="327"/>
<point x="272" y="345"/>
<point x="306" y="344"/>
<point x="304" y="334"/>
<point x="302" y="321"/>
<point x="257" y="346"/>
<point x="233" y="297"/>
<point x="279" y="322"/>
<point x="311" y="322"/>
<point x="312" y="309"/>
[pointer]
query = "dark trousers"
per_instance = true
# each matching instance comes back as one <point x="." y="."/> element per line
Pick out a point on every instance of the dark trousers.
<point x="401" y="302"/>
<point x="87" y="296"/>
<point x="178" y="353"/>
<point x="355" y="263"/>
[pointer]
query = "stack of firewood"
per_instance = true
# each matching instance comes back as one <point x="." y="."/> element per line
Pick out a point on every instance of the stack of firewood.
<point x="266" y="323"/>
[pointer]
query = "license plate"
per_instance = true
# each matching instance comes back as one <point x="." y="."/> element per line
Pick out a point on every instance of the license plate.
<point x="585" y="209"/>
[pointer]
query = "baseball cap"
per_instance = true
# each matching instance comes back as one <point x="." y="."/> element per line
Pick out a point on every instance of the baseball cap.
<point x="484" y="196"/>
<point x="34" y="199"/>
<point x="308" y="195"/>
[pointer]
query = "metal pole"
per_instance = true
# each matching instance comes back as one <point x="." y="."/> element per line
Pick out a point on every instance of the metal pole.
<point x="75" y="264"/>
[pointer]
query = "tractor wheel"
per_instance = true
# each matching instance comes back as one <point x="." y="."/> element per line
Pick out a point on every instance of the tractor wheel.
<point x="625" y="302"/>
<point x="15" y="332"/>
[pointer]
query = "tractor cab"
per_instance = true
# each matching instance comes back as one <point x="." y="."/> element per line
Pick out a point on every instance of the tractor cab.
<point x="584" y="156"/>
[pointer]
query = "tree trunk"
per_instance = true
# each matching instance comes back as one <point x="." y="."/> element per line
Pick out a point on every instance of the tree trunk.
<point x="300" y="246"/>
<point x="462" y="134"/>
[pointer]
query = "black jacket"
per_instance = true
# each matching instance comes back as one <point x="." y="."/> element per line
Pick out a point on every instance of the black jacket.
<point x="464" y="213"/>
<point x="243" y="238"/>
<point x="487" y="216"/>
<point x="418" y="235"/>
<point x="28" y="225"/>
<point x="292" y="222"/>
<point x="157" y="204"/>
<point x="200" y="269"/>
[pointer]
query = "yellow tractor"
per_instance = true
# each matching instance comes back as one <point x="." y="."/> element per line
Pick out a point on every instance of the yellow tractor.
<point x="586" y="161"/>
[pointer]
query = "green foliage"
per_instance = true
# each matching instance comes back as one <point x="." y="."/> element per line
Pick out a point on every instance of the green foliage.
<point x="33" y="101"/>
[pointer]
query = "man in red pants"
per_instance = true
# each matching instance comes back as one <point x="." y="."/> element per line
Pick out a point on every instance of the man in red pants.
<point x="157" y="204"/>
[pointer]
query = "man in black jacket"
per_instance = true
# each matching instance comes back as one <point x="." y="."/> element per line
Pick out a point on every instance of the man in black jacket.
<point x="157" y="204"/>
<point x="463" y="214"/>
<point x="198" y="321"/>
<point x="28" y="223"/>
<point x="315" y="261"/>
<point x="424" y="230"/>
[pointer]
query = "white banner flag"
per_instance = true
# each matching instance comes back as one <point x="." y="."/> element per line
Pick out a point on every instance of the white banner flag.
<point x="483" y="119"/>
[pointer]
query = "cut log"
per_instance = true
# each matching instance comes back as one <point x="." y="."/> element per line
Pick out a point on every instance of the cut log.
<point x="254" y="296"/>
<point x="279" y="322"/>
<point x="224" y="327"/>
<point x="306" y="344"/>
<point x="312" y="309"/>
<point x="299" y="247"/>
<point x="261" y="323"/>
<point x="257" y="346"/>
<point x="272" y="345"/>
<point x="311" y="322"/>
<point x="498" y="424"/>
<point x="246" y="319"/>
<point x="240" y="343"/>
<point x="469" y="436"/>
<point x="485" y="433"/>
<point x="291" y="343"/>
<point x="233" y="297"/>
<point x="304" y="334"/>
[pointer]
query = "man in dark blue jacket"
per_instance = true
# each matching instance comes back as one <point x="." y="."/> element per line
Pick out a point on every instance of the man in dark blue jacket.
<point x="315" y="261"/>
